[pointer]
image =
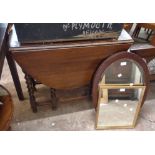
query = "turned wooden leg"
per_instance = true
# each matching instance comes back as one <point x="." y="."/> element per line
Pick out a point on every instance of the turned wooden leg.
<point x="54" y="99"/>
<point x="31" y="90"/>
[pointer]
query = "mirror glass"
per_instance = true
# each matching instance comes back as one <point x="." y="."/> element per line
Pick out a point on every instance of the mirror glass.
<point x="123" y="71"/>
<point x="116" y="111"/>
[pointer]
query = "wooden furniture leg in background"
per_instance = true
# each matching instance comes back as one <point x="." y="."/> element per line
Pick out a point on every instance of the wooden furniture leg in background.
<point x="136" y="31"/>
<point x="15" y="76"/>
<point x="31" y="90"/>
<point x="148" y="27"/>
<point x="54" y="99"/>
<point x="149" y="33"/>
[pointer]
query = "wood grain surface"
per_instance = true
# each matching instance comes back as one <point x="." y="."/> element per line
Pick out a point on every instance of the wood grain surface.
<point x="66" y="68"/>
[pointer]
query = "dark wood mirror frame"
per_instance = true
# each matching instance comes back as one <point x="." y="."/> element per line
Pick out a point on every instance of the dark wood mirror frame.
<point x="103" y="66"/>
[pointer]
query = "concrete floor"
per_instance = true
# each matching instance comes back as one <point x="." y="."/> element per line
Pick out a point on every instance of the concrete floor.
<point x="75" y="115"/>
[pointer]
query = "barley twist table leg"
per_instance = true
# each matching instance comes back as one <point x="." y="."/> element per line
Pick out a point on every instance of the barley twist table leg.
<point x="31" y="90"/>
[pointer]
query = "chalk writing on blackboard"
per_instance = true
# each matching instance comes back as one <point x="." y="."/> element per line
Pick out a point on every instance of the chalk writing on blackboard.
<point x="91" y="29"/>
<point x="84" y="26"/>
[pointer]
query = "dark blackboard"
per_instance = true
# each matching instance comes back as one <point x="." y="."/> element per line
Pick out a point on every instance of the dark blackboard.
<point x="41" y="32"/>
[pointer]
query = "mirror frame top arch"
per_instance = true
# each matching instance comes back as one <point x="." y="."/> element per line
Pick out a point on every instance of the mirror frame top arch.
<point x="106" y="63"/>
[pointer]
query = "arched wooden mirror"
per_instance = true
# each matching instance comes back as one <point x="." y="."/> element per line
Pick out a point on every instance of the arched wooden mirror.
<point x="119" y="90"/>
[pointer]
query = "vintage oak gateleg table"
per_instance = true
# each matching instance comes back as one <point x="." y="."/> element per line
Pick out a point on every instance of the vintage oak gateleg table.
<point x="63" y="65"/>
